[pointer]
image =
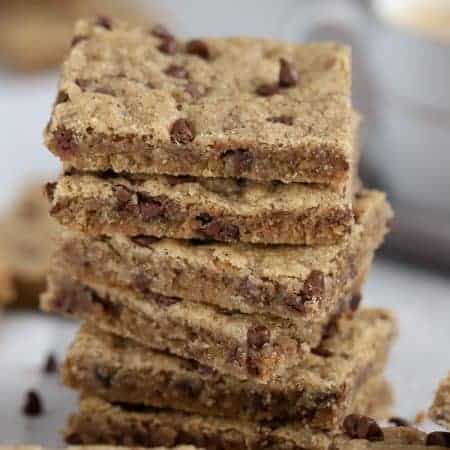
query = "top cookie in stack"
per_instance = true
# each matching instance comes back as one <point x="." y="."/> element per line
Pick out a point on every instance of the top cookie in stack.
<point x="234" y="120"/>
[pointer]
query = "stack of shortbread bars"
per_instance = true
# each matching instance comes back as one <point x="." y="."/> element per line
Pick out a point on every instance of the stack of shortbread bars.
<point x="217" y="240"/>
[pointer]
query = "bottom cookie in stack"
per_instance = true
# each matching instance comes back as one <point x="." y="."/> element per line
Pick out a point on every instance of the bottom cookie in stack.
<point x="157" y="399"/>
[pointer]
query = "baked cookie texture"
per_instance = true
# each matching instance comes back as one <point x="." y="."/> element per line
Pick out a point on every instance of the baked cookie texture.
<point x="440" y="410"/>
<point x="227" y="210"/>
<point x="100" y="421"/>
<point x="27" y="240"/>
<point x="36" y="35"/>
<point x="339" y="377"/>
<point x="301" y="284"/>
<point x="136" y="100"/>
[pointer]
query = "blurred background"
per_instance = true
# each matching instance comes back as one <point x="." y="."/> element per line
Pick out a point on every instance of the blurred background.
<point x="401" y="85"/>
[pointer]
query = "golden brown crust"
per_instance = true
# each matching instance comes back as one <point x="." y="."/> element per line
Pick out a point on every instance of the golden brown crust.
<point x="126" y="103"/>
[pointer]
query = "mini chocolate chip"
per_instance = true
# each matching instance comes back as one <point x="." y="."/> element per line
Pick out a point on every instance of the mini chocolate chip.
<point x="191" y="387"/>
<point x="438" y="438"/>
<point x="104" y="22"/>
<point x="257" y="337"/>
<point x="176" y="71"/>
<point x="286" y="120"/>
<point x="222" y="231"/>
<point x="62" y="97"/>
<point x="162" y="300"/>
<point x="355" y="302"/>
<point x="33" y="404"/>
<point x="314" y="286"/>
<point x="204" y="218"/>
<point x="253" y="367"/>
<point x="242" y="160"/>
<point x="103" y="376"/>
<point x="49" y="189"/>
<point x="144" y="241"/>
<point x="150" y="207"/>
<point x="267" y="90"/>
<point x="399" y="422"/>
<point x="363" y="427"/>
<point x="199" y="48"/>
<point x="169" y="46"/>
<point x="51" y="364"/>
<point x="322" y="351"/>
<point x="142" y="282"/>
<point x="123" y="195"/>
<point x="288" y="74"/>
<point x="161" y="31"/>
<point x="182" y="132"/>
<point x="65" y="140"/>
<point x="77" y="39"/>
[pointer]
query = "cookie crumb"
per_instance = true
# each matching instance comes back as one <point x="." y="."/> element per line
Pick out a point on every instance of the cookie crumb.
<point x="33" y="404"/>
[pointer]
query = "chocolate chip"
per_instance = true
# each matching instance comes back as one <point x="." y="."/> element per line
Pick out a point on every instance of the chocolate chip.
<point x="438" y="438"/>
<point x="257" y="337"/>
<point x="253" y="367"/>
<point x="51" y="364"/>
<point x="103" y="376"/>
<point x="314" y="286"/>
<point x="33" y="404"/>
<point x="150" y="207"/>
<point x="286" y="120"/>
<point x="104" y="22"/>
<point x="191" y="387"/>
<point x="144" y="241"/>
<point x="267" y="90"/>
<point x="123" y="196"/>
<point x="204" y="218"/>
<point x="199" y="48"/>
<point x="176" y="71"/>
<point x="169" y="46"/>
<point x="182" y="132"/>
<point x="142" y="282"/>
<point x="241" y="159"/>
<point x="363" y="427"/>
<point x="77" y="39"/>
<point x="288" y="74"/>
<point x="322" y="351"/>
<point x="355" y="302"/>
<point x="65" y="140"/>
<point x="161" y="31"/>
<point x="62" y="97"/>
<point x="49" y="190"/>
<point x="220" y="231"/>
<point x="162" y="300"/>
<point x="399" y="422"/>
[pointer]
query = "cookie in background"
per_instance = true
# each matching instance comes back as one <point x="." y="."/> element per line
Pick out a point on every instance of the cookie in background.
<point x="27" y="238"/>
<point x="36" y="35"/>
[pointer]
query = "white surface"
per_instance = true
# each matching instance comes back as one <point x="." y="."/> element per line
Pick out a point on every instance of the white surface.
<point x="419" y="360"/>
<point x="422" y="300"/>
